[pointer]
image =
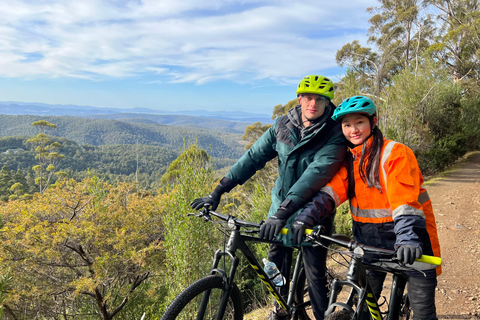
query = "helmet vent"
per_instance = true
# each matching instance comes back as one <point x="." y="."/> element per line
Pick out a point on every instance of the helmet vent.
<point x="365" y="104"/>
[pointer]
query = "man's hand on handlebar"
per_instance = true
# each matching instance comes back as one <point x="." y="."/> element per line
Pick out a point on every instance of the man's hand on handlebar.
<point x="272" y="227"/>
<point x="212" y="200"/>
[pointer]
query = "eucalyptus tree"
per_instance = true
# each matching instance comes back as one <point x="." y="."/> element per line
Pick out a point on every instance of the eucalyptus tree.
<point x="457" y="42"/>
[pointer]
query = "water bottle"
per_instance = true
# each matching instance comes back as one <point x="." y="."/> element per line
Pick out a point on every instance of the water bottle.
<point x="273" y="273"/>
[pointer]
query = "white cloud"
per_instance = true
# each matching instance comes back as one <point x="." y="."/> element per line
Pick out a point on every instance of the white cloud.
<point x="177" y="41"/>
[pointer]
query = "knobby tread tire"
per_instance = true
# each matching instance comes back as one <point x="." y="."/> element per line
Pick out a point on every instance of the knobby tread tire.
<point x="300" y="291"/>
<point x="343" y="314"/>
<point x="197" y="288"/>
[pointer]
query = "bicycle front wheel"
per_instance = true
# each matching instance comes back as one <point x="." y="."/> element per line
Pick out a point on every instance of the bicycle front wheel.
<point x="302" y="298"/>
<point x="201" y="300"/>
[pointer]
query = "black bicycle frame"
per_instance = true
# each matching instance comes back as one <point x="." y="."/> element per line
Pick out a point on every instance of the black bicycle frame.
<point x="237" y="241"/>
<point x="361" y="290"/>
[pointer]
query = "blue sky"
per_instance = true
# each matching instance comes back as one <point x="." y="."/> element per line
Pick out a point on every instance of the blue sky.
<point x="215" y="55"/>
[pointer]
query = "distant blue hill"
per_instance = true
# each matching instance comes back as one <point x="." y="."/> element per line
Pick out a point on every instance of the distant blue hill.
<point x="42" y="109"/>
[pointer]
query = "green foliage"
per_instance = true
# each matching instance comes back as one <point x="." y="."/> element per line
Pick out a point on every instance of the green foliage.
<point x="469" y="120"/>
<point x="189" y="242"/>
<point x="282" y="109"/>
<point x="253" y="132"/>
<point x="343" y="220"/>
<point x="6" y="182"/>
<point x="80" y="248"/>
<point x="173" y="172"/>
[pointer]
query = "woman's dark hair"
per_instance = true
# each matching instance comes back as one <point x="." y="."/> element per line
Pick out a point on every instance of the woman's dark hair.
<point x="369" y="170"/>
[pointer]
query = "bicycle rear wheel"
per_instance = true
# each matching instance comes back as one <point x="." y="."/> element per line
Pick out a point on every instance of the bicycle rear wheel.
<point x="187" y="304"/>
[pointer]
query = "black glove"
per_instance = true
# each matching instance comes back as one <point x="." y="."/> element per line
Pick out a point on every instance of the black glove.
<point x="274" y="224"/>
<point x="407" y="254"/>
<point x="299" y="228"/>
<point x="212" y="200"/>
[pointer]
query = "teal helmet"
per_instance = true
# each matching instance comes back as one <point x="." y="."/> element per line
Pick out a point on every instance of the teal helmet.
<point x="353" y="105"/>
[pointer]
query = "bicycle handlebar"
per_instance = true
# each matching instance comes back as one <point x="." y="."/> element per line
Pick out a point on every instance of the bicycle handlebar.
<point x="231" y="220"/>
<point x="423" y="263"/>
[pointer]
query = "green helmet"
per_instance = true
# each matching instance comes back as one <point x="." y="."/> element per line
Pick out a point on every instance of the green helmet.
<point x="354" y="104"/>
<point x="317" y="85"/>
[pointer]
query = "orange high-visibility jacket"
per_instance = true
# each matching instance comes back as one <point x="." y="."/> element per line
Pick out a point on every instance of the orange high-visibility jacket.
<point x="402" y="200"/>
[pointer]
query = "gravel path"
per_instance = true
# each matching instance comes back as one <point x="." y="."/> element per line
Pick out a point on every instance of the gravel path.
<point x="456" y="203"/>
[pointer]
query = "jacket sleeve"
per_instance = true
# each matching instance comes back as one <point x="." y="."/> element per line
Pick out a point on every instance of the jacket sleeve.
<point x="404" y="180"/>
<point x="325" y="201"/>
<point x="326" y="163"/>
<point x="262" y="151"/>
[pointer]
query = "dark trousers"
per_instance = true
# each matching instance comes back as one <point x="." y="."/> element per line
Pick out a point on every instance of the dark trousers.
<point x="314" y="261"/>
<point x="421" y="293"/>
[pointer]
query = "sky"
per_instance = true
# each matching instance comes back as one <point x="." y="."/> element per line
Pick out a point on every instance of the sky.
<point x="216" y="55"/>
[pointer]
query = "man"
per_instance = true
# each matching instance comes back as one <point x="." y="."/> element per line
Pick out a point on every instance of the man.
<point x="311" y="148"/>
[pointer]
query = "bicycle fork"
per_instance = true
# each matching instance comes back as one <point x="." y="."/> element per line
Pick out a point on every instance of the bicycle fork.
<point x="360" y="291"/>
<point x="227" y="280"/>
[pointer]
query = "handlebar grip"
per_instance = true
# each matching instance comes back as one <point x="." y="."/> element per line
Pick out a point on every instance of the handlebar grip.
<point x="430" y="260"/>
<point x="285" y="231"/>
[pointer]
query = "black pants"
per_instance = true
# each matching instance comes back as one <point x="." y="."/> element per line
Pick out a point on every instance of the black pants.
<point x="421" y="293"/>
<point x="314" y="260"/>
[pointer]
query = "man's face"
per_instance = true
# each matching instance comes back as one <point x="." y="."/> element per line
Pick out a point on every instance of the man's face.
<point x="313" y="106"/>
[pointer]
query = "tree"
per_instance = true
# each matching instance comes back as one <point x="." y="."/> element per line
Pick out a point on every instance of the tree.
<point x="44" y="125"/>
<point x="399" y="31"/>
<point x="6" y="183"/>
<point x="197" y="157"/>
<point x="457" y="42"/>
<point x="46" y="154"/>
<point x="79" y="250"/>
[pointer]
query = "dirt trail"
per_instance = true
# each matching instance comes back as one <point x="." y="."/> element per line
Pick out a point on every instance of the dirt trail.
<point x="456" y="204"/>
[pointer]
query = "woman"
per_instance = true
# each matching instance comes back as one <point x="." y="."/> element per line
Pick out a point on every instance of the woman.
<point x="390" y="209"/>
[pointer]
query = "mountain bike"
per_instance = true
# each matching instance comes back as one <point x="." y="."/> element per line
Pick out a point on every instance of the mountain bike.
<point x="216" y="296"/>
<point x="359" y="291"/>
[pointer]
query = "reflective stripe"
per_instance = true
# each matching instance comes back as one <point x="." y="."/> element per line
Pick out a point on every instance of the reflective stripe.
<point x="329" y="190"/>
<point x="406" y="210"/>
<point x="423" y="197"/>
<point x="370" y="213"/>
<point x="386" y="154"/>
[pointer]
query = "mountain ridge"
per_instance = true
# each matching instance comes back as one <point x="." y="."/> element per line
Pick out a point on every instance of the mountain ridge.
<point x="43" y="109"/>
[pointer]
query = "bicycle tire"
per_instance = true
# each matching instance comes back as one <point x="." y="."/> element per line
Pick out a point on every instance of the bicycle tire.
<point x="185" y="305"/>
<point x="342" y="314"/>
<point x="301" y="295"/>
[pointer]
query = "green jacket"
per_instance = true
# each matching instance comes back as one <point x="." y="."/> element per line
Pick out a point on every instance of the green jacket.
<point x="304" y="165"/>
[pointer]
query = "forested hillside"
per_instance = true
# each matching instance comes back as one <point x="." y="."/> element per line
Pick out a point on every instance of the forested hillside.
<point x="178" y="120"/>
<point x="113" y="150"/>
<point x="99" y="132"/>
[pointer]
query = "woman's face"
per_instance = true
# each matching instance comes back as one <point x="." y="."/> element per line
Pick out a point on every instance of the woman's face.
<point x="356" y="127"/>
